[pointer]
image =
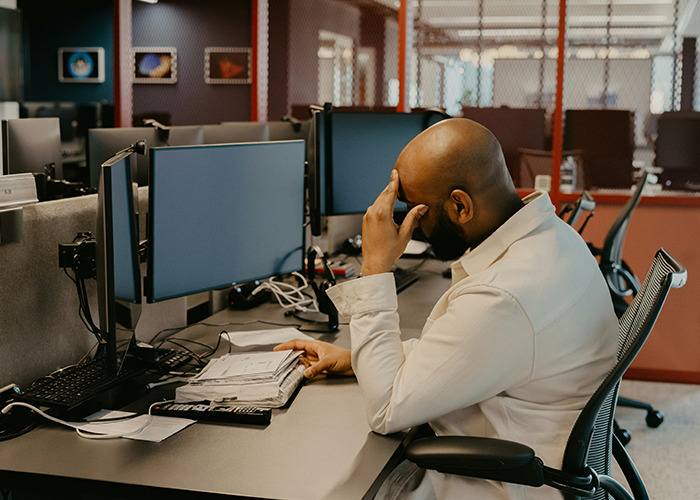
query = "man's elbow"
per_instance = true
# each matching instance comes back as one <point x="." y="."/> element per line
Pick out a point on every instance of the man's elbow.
<point x="380" y="424"/>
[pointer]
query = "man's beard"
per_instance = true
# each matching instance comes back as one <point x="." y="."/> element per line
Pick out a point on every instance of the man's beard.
<point x="447" y="239"/>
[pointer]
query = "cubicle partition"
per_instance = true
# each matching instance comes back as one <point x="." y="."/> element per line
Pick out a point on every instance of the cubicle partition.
<point x="41" y="329"/>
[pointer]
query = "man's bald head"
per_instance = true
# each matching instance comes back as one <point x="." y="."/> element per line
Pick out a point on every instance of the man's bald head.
<point x="456" y="153"/>
<point x="459" y="158"/>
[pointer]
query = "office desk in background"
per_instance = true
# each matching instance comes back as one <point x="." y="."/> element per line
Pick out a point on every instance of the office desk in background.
<point x="321" y="447"/>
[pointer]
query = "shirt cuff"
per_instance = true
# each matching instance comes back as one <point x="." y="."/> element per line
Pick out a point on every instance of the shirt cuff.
<point x="364" y="295"/>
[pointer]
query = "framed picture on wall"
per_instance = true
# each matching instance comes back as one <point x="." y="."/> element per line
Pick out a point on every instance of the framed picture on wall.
<point x="229" y="65"/>
<point x="155" y="65"/>
<point x="81" y="64"/>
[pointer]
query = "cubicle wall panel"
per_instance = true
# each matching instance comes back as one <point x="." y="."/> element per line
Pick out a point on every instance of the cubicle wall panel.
<point x="40" y="329"/>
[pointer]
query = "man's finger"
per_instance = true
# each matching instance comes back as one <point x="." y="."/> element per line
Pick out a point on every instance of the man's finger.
<point x="296" y="344"/>
<point x="316" y="368"/>
<point x="410" y="222"/>
<point x="391" y="191"/>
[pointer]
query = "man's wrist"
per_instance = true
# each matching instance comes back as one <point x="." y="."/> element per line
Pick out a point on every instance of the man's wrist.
<point x="370" y="270"/>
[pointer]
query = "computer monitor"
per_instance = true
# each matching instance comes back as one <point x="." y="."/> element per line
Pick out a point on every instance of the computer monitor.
<point x="118" y="266"/>
<point x="67" y="114"/>
<point x="676" y="150"/>
<point x="230" y="132"/>
<point x="676" y="143"/>
<point x="606" y="137"/>
<point x="223" y="214"/>
<point x="515" y="128"/>
<point x="354" y="154"/>
<point x="102" y="143"/>
<point x="32" y="145"/>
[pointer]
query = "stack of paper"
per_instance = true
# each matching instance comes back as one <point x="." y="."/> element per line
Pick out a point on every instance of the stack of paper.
<point x="263" y="379"/>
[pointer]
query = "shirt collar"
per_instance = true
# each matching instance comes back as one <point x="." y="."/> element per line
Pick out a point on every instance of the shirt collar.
<point x="538" y="208"/>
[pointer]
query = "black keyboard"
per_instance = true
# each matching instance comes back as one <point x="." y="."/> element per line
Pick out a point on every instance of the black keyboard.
<point x="74" y="387"/>
<point x="404" y="278"/>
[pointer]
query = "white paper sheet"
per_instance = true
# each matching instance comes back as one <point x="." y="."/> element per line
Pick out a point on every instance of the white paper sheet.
<point x="153" y="428"/>
<point x="416" y="247"/>
<point x="263" y="337"/>
<point x="253" y="366"/>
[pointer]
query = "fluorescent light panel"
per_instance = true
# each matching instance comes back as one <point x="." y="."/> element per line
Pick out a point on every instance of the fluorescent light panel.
<point x="550" y="20"/>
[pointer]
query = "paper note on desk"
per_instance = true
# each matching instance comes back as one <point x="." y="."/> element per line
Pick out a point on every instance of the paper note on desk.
<point x="160" y="428"/>
<point x="142" y="427"/>
<point x="263" y="337"/>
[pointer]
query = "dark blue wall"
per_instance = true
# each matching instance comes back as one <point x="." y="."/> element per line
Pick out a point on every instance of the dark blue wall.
<point x="190" y="26"/>
<point x="51" y="24"/>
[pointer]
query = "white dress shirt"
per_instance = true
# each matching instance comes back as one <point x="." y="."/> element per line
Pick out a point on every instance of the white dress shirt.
<point x="513" y="350"/>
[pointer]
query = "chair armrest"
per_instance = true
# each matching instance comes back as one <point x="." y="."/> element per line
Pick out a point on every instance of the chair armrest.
<point x="484" y="458"/>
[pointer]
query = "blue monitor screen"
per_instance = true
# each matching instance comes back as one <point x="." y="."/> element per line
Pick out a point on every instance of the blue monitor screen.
<point x="223" y="214"/>
<point x="127" y="276"/>
<point x="364" y="149"/>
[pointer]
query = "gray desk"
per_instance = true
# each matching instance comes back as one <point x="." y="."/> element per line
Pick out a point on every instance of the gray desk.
<point x="319" y="448"/>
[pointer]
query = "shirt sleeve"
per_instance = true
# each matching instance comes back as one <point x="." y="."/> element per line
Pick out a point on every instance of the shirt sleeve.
<point x="481" y="346"/>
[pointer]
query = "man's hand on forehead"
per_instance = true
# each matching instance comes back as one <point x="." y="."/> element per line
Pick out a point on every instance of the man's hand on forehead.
<point x="383" y="241"/>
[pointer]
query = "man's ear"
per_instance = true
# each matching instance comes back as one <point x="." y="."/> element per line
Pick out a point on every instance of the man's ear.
<point x="461" y="207"/>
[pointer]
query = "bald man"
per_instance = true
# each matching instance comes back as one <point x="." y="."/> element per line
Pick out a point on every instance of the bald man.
<point x="521" y="339"/>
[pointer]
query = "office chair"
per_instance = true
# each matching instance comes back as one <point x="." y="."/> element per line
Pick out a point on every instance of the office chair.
<point x="623" y="283"/>
<point x="586" y="468"/>
<point x="585" y="203"/>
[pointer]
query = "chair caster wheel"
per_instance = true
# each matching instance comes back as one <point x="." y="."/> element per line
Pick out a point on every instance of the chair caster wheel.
<point x="624" y="436"/>
<point x="654" y="419"/>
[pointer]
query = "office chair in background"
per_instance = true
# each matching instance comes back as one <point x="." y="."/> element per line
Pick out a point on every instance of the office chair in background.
<point x="623" y="283"/>
<point x="592" y="443"/>
<point x="585" y="203"/>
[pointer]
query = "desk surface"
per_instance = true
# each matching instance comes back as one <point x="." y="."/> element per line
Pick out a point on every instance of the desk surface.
<point x="320" y="447"/>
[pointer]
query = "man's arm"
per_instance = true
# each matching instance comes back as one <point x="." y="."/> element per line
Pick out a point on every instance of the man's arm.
<point x="479" y="348"/>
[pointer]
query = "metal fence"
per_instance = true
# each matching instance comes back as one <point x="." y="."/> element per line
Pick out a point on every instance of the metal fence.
<point x="467" y="55"/>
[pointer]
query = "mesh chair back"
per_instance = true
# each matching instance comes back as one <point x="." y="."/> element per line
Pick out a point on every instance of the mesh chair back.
<point x="590" y="441"/>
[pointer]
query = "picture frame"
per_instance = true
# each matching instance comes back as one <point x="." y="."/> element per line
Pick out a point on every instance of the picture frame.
<point x="155" y="65"/>
<point x="227" y="65"/>
<point x="81" y="64"/>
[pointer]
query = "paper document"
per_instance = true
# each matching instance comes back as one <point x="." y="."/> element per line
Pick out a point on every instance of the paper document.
<point x="416" y="247"/>
<point x="265" y="377"/>
<point x="259" y="395"/>
<point x="153" y="428"/>
<point x="263" y="337"/>
<point x="289" y="385"/>
<point x="248" y="367"/>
